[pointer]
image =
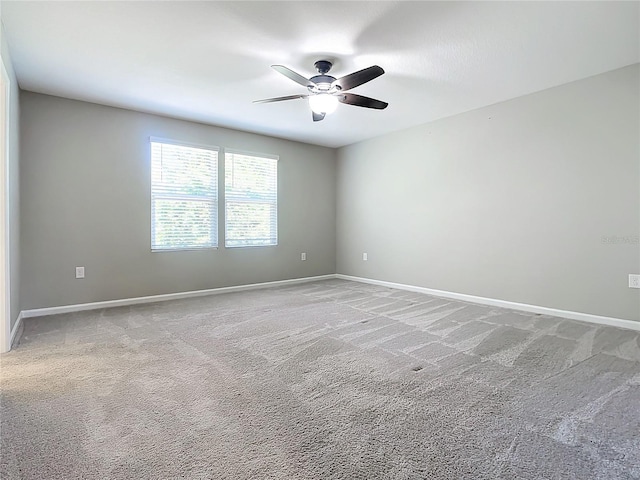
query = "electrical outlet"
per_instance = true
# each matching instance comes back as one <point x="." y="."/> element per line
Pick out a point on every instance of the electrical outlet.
<point x="79" y="272"/>
<point x="634" y="281"/>
<point x="365" y="257"/>
<point x="303" y="256"/>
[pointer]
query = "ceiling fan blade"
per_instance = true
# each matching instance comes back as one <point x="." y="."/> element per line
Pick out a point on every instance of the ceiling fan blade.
<point x="317" y="116"/>
<point x="280" y="99"/>
<point x="296" y="77"/>
<point x="360" y="101"/>
<point x="358" y="78"/>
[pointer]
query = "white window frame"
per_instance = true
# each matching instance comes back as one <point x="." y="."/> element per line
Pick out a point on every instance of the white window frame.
<point x="275" y="206"/>
<point x="216" y="201"/>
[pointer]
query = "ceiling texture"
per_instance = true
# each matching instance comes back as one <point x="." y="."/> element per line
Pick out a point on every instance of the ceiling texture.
<point x="207" y="61"/>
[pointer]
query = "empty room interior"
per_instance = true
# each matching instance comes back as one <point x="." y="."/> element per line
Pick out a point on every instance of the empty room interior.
<point x="320" y="240"/>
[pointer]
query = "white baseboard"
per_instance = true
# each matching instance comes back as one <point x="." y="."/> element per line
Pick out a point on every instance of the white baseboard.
<point x="14" y="330"/>
<point x="39" y="312"/>
<point x="584" y="317"/>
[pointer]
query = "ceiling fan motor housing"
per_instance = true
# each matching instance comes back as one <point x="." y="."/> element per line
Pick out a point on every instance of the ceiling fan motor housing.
<point x="322" y="83"/>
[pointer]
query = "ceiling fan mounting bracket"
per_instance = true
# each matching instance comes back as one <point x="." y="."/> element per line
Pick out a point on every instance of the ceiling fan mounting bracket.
<point x="323" y="66"/>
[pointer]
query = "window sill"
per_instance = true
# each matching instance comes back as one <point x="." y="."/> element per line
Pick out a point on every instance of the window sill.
<point x="194" y="249"/>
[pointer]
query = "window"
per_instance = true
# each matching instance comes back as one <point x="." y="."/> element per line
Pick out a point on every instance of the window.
<point x="184" y="196"/>
<point x="251" y="200"/>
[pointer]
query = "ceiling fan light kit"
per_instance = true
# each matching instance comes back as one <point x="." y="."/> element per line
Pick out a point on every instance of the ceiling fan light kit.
<point x="325" y="91"/>
<point x="323" y="103"/>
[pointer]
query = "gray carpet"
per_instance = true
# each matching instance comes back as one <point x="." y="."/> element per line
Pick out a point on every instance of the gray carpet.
<point x="329" y="380"/>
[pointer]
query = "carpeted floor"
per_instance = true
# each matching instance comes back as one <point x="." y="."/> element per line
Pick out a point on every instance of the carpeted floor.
<point x="328" y="380"/>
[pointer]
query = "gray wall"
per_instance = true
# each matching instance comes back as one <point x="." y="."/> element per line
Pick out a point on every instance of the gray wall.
<point x="14" y="181"/>
<point x="85" y="177"/>
<point x="534" y="200"/>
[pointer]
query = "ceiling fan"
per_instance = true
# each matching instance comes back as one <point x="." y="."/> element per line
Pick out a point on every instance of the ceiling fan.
<point x="326" y="91"/>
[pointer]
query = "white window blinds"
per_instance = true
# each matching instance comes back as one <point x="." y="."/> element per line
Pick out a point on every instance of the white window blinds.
<point x="251" y="200"/>
<point x="184" y="196"/>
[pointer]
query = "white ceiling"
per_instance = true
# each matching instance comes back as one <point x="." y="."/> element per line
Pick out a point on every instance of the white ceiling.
<point x="207" y="61"/>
